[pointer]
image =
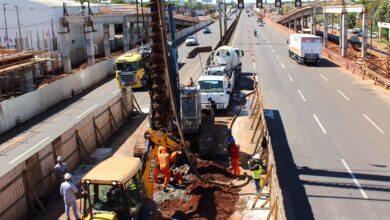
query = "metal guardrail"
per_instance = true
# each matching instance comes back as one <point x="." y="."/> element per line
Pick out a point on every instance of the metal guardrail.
<point x="376" y="77"/>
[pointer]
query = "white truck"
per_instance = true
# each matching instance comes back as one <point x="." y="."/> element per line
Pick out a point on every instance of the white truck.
<point x="214" y="88"/>
<point x="304" y="48"/>
<point x="227" y="56"/>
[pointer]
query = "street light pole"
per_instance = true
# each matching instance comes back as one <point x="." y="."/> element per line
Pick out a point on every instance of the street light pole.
<point x="6" y="29"/>
<point x="20" y="32"/>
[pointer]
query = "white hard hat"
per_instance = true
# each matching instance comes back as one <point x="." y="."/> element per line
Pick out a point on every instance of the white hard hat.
<point x="60" y="158"/>
<point x="256" y="157"/>
<point x="67" y="176"/>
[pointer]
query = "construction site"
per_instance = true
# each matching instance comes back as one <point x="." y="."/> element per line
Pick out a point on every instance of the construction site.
<point x="147" y="111"/>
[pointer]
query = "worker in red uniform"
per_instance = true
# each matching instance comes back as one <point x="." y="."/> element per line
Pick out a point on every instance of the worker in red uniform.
<point x="235" y="158"/>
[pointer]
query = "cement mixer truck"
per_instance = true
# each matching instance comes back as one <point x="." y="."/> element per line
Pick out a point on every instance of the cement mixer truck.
<point x="221" y="75"/>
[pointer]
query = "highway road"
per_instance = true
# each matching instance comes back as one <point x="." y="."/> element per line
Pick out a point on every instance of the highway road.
<point x="329" y="129"/>
<point x="30" y="141"/>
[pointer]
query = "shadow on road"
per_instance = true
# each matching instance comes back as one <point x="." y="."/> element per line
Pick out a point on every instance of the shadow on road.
<point x="295" y="200"/>
<point x="323" y="63"/>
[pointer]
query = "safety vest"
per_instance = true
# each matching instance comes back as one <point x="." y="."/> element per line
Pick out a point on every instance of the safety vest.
<point x="132" y="186"/>
<point x="257" y="173"/>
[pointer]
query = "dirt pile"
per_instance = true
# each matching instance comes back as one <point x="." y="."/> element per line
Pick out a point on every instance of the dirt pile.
<point x="202" y="200"/>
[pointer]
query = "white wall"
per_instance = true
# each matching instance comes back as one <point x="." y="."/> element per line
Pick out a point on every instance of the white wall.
<point x="33" y="103"/>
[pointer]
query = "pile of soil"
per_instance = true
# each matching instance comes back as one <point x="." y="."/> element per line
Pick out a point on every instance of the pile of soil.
<point x="205" y="201"/>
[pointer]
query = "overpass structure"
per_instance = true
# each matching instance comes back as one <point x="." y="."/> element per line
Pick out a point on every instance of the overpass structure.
<point x="128" y="19"/>
<point x="298" y="20"/>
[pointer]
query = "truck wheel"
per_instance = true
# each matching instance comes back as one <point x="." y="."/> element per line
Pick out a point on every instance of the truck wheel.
<point x="149" y="211"/>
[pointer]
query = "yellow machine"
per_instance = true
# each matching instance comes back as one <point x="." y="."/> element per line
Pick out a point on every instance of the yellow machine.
<point x="129" y="71"/>
<point x="122" y="187"/>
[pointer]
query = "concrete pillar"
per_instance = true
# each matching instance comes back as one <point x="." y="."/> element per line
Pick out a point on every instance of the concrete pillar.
<point x="27" y="79"/>
<point x="289" y="24"/>
<point x="314" y="21"/>
<point x="325" y="36"/>
<point x="344" y="39"/>
<point x="125" y="28"/>
<point x="295" y="24"/>
<point x="89" y="45"/>
<point x="302" y="22"/>
<point x="106" y="43"/>
<point x="365" y="32"/>
<point x="340" y="30"/>
<point x="65" y="50"/>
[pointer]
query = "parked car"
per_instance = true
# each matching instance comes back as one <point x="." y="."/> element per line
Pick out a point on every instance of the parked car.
<point x="206" y="30"/>
<point x="145" y="51"/>
<point x="191" y="41"/>
<point x="373" y="35"/>
<point x="355" y="41"/>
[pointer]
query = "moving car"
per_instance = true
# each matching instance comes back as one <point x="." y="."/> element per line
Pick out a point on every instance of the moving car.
<point x="191" y="41"/>
<point x="206" y="30"/>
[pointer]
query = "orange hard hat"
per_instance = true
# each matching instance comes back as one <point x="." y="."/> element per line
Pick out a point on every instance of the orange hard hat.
<point x="162" y="149"/>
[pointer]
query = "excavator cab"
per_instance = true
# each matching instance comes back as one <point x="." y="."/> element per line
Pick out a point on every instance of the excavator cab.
<point x="190" y="109"/>
<point x="113" y="190"/>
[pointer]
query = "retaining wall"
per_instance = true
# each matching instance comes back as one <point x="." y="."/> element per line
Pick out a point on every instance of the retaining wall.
<point x="22" y="189"/>
<point x="33" y="103"/>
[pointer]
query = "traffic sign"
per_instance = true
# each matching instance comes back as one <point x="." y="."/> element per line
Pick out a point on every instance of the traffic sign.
<point x="259" y="3"/>
<point x="278" y="3"/>
<point x="298" y="3"/>
<point x="240" y="4"/>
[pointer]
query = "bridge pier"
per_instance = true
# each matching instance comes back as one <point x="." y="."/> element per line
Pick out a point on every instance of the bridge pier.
<point x="344" y="37"/>
<point x="325" y="33"/>
<point x="64" y="48"/>
<point x="295" y="24"/>
<point x="106" y="43"/>
<point x="89" y="43"/>
<point x="340" y="31"/>
<point x="125" y="30"/>
<point x="289" y="24"/>
<point x="365" y="31"/>
<point x="302" y="22"/>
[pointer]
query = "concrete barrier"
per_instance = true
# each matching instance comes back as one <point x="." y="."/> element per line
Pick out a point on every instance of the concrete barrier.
<point x="22" y="189"/>
<point x="33" y="103"/>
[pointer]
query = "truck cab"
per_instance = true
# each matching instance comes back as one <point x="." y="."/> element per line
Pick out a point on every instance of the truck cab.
<point x="129" y="71"/>
<point x="114" y="190"/>
<point x="216" y="88"/>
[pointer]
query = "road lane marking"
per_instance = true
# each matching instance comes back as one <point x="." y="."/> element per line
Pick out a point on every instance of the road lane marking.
<point x="254" y="65"/>
<point x="319" y="123"/>
<point x="270" y="46"/>
<point x="277" y="57"/>
<point x="82" y="114"/>
<point x="116" y="91"/>
<point x="354" y="179"/>
<point x="303" y="97"/>
<point x="290" y="77"/>
<point x="282" y="65"/>
<point x="30" y="149"/>
<point x="324" y="77"/>
<point x="376" y="126"/>
<point x="273" y="51"/>
<point x="341" y="93"/>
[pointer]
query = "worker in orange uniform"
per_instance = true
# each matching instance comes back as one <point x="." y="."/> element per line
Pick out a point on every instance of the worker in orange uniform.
<point x="177" y="175"/>
<point x="156" y="167"/>
<point x="235" y="158"/>
<point x="164" y="159"/>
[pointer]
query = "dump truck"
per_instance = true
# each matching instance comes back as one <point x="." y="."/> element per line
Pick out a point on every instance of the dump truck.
<point x="305" y="48"/>
<point x="130" y="71"/>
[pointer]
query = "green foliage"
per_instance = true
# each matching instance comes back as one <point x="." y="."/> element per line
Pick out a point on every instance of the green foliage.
<point x="352" y="19"/>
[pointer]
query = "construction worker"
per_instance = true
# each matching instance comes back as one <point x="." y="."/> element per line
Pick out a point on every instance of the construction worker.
<point x="156" y="167"/>
<point x="177" y="174"/>
<point x="257" y="168"/>
<point x="235" y="158"/>
<point x="68" y="190"/>
<point x="60" y="169"/>
<point x="230" y="139"/>
<point x="164" y="159"/>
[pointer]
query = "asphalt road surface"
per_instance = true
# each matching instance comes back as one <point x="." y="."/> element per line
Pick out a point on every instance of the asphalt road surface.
<point x="30" y="140"/>
<point x="330" y="130"/>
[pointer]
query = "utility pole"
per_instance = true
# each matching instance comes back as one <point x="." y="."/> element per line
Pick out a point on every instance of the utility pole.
<point x="6" y="29"/>
<point x="20" y="42"/>
<point x="220" y="20"/>
<point x="224" y="17"/>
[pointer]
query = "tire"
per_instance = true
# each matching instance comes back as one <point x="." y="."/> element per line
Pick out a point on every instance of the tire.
<point x="149" y="211"/>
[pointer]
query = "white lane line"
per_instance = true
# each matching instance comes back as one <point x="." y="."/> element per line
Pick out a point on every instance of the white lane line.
<point x="290" y="77"/>
<point x="30" y="149"/>
<point x="354" y="179"/>
<point x="116" y="91"/>
<point x="270" y="46"/>
<point x="82" y="114"/>
<point x="319" y="123"/>
<point x="341" y="93"/>
<point x="376" y="126"/>
<point x="254" y="65"/>
<point x="303" y="97"/>
<point x="277" y="57"/>
<point x="282" y="65"/>
<point x="324" y="77"/>
<point x="273" y="51"/>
